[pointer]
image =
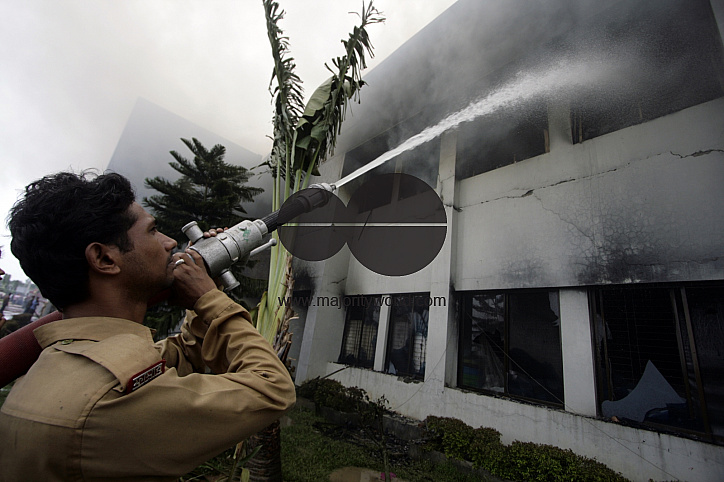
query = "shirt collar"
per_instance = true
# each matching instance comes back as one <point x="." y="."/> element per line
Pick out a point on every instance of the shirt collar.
<point x="88" y="328"/>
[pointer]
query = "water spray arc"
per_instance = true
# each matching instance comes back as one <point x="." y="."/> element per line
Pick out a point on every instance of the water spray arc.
<point x="565" y="75"/>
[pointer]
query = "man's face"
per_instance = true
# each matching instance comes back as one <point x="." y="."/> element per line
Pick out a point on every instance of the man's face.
<point x="148" y="265"/>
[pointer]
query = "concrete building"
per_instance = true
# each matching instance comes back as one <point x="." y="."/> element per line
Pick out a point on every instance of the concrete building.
<point x="578" y="297"/>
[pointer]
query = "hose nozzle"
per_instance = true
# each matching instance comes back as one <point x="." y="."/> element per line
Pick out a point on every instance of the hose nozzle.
<point x="315" y="196"/>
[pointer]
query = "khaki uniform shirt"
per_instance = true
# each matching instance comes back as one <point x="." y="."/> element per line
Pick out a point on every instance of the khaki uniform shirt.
<point x="96" y="405"/>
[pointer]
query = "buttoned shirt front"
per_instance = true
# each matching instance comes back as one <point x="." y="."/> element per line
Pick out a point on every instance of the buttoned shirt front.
<point x="99" y="404"/>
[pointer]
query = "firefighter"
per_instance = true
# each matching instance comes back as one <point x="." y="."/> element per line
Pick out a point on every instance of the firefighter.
<point x="103" y="400"/>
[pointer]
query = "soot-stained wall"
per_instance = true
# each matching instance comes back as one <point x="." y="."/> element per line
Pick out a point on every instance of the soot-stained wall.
<point x="643" y="204"/>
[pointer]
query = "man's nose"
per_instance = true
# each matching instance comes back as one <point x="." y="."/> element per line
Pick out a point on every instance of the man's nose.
<point x="170" y="243"/>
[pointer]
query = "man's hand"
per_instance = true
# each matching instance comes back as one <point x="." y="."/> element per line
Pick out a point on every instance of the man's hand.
<point x="191" y="281"/>
<point x="190" y="285"/>
<point x="212" y="232"/>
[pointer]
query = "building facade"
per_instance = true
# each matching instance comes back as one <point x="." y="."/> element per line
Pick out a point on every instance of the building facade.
<point x="578" y="297"/>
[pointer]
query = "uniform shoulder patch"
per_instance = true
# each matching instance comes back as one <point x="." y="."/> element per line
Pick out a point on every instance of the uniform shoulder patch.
<point x="143" y="377"/>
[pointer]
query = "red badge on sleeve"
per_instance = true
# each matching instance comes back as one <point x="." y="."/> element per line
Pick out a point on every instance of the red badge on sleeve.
<point x="142" y="378"/>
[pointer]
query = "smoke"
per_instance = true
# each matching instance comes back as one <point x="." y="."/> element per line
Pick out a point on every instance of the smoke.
<point x="613" y="63"/>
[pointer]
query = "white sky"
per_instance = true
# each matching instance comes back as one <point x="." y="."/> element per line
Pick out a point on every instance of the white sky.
<point x="71" y="72"/>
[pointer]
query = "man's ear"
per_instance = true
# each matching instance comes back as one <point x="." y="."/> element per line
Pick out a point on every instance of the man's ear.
<point x="102" y="258"/>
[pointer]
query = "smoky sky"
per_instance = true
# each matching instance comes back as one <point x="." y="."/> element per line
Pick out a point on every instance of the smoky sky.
<point x="73" y="70"/>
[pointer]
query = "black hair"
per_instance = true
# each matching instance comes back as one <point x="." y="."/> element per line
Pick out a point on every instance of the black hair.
<point x="57" y="218"/>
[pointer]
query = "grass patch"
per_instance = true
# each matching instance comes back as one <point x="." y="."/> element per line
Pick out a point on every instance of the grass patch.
<point x="310" y="455"/>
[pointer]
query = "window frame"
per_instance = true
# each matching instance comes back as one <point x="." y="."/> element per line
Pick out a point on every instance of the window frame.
<point x="465" y="304"/>
<point x="368" y="310"/>
<point x="389" y="343"/>
<point x="688" y="359"/>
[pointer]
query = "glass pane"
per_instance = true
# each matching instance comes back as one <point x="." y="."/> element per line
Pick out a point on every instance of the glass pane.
<point x="483" y="345"/>
<point x="352" y="332"/>
<point x="407" y="338"/>
<point x="536" y="366"/>
<point x="419" y="334"/>
<point x="360" y="335"/>
<point x="400" y="334"/>
<point x="368" y="340"/>
<point x="706" y="309"/>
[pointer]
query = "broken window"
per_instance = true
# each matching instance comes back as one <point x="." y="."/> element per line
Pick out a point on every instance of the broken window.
<point x="407" y="335"/>
<point x="510" y="343"/>
<point x="422" y="162"/>
<point x="502" y="138"/>
<point x="360" y="331"/>
<point x="676" y="62"/>
<point x="660" y="356"/>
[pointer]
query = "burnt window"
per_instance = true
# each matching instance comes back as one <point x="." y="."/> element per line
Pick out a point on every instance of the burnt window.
<point x="660" y="356"/>
<point x="502" y="138"/>
<point x="360" y="331"/>
<point x="421" y="161"/>
<point x="673" y="59"/>
<point x="510" y="344"/>
<point x="407" y="335"/>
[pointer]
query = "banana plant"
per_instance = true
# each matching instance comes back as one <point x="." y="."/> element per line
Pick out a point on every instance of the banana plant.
<point x="303" y="137"/>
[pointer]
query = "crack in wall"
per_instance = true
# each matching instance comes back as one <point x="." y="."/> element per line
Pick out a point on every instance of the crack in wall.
<point x="585" y="178"/>
<point x="586" y="235"/>
<point x="530" y="192"/>
<point x="695" y="154"/>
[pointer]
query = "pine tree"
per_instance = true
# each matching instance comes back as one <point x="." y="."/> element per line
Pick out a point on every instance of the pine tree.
<point x="210" y="192"/>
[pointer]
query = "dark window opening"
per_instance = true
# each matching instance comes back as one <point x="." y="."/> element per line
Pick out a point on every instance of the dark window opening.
<point x="360" y="331"/>
<point x="422" y="161"/>
<point x="660" y="356"/>
<point x="500" y="139"/>
<point x="407" y="335"/>
<point x="510" y="344"/>
<point x="678" y="64"/>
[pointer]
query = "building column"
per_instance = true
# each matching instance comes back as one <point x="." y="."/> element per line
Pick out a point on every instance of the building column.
<point x="559" y="125"/>
<point x="441" y="349"/>
<point x="324" y="325"/>
<point x="579" y="378"/>
<point x="383" y="327"/>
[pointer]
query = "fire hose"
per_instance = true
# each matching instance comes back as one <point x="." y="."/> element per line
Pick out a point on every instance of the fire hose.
<point x="20" y="349"/>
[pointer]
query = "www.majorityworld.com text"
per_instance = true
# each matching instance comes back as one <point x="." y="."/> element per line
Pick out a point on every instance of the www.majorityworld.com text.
<point x="340" y="302"/>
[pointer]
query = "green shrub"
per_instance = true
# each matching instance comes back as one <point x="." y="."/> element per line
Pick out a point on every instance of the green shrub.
<point x="449" y="436"/>
<point x="486" y="449"/>
<point x="535" y="462"/>
<point x="519" y="461"/>
<point x="325" y="392"/>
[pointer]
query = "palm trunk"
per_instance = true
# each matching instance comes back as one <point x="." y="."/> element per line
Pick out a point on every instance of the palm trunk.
<point x="266" y="466"/>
